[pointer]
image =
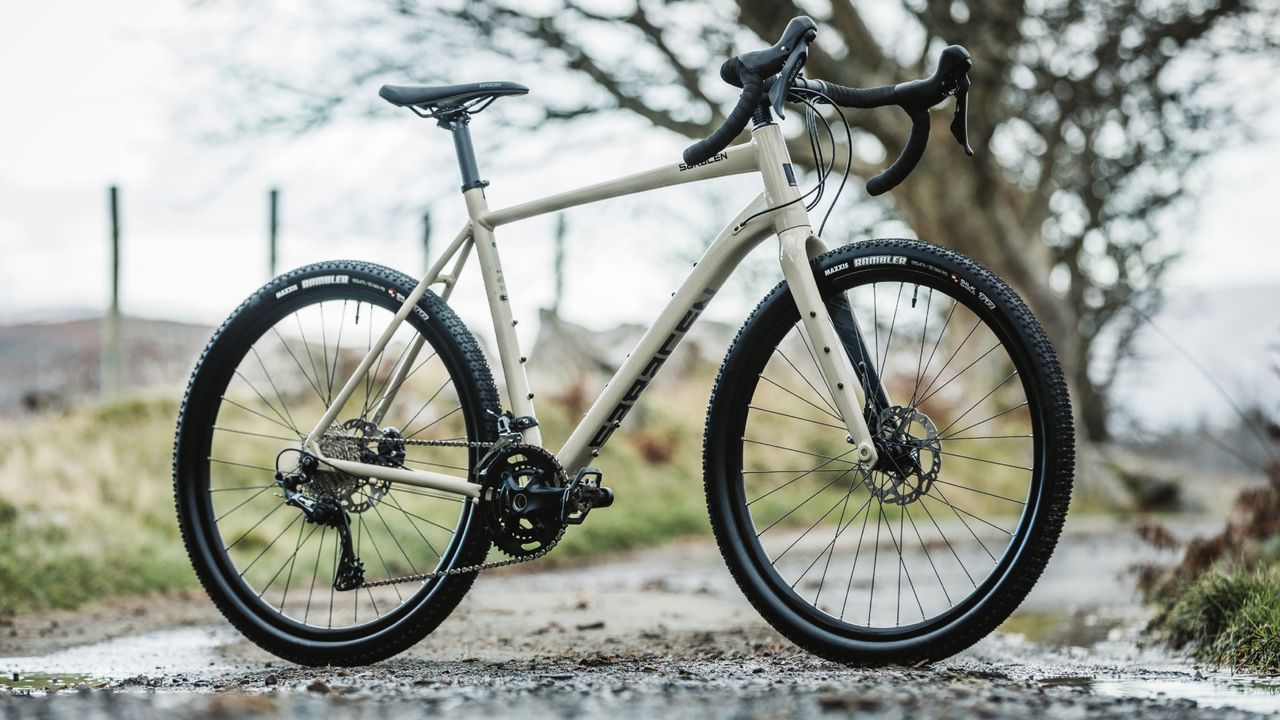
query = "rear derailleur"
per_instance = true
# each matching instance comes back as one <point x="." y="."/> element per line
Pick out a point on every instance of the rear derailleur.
<point x="327" y="511"/>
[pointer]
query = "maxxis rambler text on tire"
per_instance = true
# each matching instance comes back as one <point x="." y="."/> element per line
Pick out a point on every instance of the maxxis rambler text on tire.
<point x="465" y="363"/>
<point x="726" y="418"/>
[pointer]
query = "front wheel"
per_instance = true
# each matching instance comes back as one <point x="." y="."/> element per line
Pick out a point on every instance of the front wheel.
<point x="922" y="555"/>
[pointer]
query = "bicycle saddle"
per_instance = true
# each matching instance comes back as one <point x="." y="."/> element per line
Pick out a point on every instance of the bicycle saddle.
<point x="445" y="96"/>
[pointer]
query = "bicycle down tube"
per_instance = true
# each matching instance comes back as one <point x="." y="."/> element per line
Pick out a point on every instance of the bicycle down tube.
<point x="789" y="220"/>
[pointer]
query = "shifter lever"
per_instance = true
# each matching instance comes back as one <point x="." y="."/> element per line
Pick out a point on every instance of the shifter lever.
<point x="960" y="123"/>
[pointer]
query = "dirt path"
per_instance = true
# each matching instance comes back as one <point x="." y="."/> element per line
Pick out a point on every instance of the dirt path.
<point x="662" y="633"/>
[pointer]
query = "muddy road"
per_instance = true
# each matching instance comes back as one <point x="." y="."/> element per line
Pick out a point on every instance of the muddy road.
<point x="662" y="633"/>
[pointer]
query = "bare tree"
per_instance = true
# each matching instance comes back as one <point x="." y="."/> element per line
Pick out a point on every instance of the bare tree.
<point x="1088" y="116"/>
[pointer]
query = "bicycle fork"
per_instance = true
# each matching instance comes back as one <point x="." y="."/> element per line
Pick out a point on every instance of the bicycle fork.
<point x="797" y="245"/>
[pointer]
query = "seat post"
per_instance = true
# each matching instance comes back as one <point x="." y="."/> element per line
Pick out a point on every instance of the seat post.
<point x="458" y="123"/>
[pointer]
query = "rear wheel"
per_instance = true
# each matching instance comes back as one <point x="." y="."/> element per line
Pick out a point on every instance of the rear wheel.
<point x="262" y="383"/>
<point x="921" y="556"/>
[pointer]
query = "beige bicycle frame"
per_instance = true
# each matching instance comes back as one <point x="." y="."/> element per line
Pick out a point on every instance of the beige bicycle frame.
<point x="777" y="211"/>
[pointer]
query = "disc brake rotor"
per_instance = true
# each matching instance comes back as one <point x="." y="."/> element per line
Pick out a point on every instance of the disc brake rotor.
<point x="910" y="456"/>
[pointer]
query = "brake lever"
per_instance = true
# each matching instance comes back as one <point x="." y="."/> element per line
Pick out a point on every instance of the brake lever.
<point x="790" y="71"/>
<point x="960" y="123"/>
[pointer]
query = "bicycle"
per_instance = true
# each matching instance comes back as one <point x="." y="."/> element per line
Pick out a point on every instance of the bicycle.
<point x="413" y="470"/>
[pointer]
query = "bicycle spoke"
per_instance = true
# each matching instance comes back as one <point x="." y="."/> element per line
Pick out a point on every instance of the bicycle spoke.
<point x="298" y="362"/>
<point x="377" y="551"/>
<point x="924" y="336"/>
<point x="834" y="505"/>
<point x="924" y="393"/>
<point x="802" y="504"/>
<point x="283" y="405"/>
<point x="803" y="474"/>
<point x="432" y="424"/>
<point x="264" y="417"/>
<point x="242" y="489"/>
<point x="254" y="434"/>
<point x="875" y="558"/>
<point x="293" y="560"/>
<point x="806" y="379"/>
<point x="857" y="551"/>
<point x="792" y="394"/>
<point x="315" y="571"/>
<point x="888" y="341"/>
<point x="255" y="527"/>
<point x="337" y="350"/>
<point x="989" y="462"/>
<point x="268" y="547"/>
<point x="802" y="452"/>
<point x="396" y="540"/>
<point x="795" y="417"/>
<point x="949" y="545"/>
<point x="284" y="421"/>
<point x="925" y="372"/>
<point x="411" y="517"/>
<point x="243" y="465"/>
<point x="902" y="568"/>
<point x="983" y="492"/>
<point x="814" y="359"/>
<point x="952" y="436"/>
<point x="927" y="554"/>
<point x="243" y="503"/>
<point x="944" y="430"/>
<point x="943" y="386"/>
<point x="311" y="360"/>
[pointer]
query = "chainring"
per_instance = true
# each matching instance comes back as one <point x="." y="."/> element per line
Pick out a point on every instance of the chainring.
<point x="521" y="499"/>
<point x="910" y="456"/>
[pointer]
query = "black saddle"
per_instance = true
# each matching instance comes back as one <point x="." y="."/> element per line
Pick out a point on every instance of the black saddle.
<point x="476" y="96"/>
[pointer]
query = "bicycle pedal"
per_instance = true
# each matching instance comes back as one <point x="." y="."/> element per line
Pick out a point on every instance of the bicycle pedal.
<point x="584" y="494"/>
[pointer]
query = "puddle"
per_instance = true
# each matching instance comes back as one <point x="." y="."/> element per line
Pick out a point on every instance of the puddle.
<point x="44" y="682"/>
<point x="1253" y="694"/>
<point x="191" y="652"/>
<point x="1063" y="629"/>
<point x="1261" y="695"/>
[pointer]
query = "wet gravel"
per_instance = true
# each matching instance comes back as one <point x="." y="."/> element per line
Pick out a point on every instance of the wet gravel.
<point x="658" y="635"/>
<point x="765" y="683"/>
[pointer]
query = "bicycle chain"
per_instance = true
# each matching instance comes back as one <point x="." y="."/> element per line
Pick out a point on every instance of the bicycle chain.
<point x="424" y="577"/>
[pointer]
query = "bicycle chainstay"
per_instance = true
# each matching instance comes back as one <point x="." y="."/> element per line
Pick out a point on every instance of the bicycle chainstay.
<point x="424" y="577"/>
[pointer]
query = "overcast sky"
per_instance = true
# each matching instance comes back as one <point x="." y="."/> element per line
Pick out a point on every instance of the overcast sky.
<point x="95" y="94"/>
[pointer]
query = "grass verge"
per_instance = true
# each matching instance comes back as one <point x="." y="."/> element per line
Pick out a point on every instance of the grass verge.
<point x="1230" y="618"/>
<point x="1221" y="602"/>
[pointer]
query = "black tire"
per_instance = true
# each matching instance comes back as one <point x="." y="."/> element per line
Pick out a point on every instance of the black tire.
<point x="1048" y="446"/>
<point x="423" y="606"/>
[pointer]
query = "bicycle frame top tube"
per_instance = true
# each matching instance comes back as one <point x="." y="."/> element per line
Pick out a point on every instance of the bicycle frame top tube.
<point x="733" y="161"/>
<point x="778" y="210"/>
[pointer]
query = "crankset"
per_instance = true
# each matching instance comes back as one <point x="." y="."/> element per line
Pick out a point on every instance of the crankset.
<point x="527" y="503"/>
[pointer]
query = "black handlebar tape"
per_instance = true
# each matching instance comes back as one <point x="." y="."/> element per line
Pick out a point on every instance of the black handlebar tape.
<point x="863" y="98"/>
<point x="704" y="150"/>
<point x="906" y="162"/>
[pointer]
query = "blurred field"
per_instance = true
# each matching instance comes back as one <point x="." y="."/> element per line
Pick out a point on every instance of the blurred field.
<point x="86" y="506"/>
<point x="86" y="509"/>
